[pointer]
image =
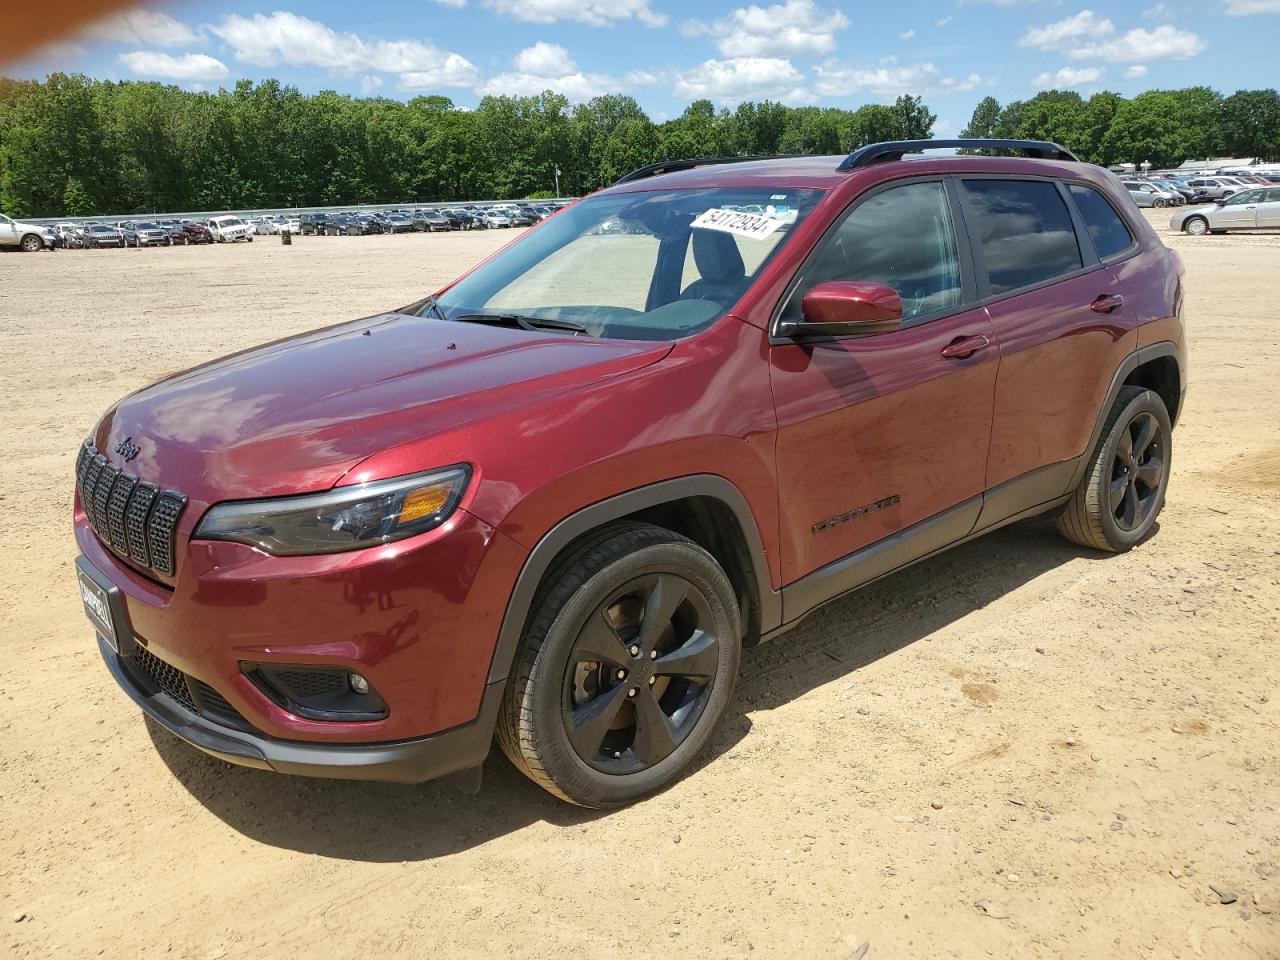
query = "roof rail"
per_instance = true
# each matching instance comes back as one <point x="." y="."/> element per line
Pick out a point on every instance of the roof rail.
<point x="895" y="149"/>
<point x="672" y="166"/>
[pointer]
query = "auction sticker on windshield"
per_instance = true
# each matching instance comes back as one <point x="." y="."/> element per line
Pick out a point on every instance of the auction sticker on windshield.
<point x="742" y="224"/>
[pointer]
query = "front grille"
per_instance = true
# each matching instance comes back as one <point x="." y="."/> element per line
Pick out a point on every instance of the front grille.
<point x="196" y="695"/>
<point x="138" y="520"/>
<point x="306" y="684"/>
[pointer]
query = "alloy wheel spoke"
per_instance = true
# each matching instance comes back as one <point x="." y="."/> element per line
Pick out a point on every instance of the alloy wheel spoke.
<point x="589" y="723"/>
<point x="1118" y="488"/>
<point x="1146" y="433"/>
<point x="1151" y="472"/>
<point x="1132" y="507"/>
<point x="654" y="737"/>
<point x="660" y="604"/>
<point x="1124" y="444"/>
<point x="698" y="658"/>
<point x="599" y="641"/>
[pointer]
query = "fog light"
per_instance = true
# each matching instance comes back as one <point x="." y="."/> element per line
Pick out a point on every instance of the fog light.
<point x="359" y="684"/>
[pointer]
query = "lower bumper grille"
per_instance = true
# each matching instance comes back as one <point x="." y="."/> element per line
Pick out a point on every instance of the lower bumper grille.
<point x="196" y="695"/>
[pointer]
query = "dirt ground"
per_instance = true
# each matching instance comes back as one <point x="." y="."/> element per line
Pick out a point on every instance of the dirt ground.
<point x="1086" y="742"/>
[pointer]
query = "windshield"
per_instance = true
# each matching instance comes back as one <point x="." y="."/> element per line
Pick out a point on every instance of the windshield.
<point x="656" y="265"/>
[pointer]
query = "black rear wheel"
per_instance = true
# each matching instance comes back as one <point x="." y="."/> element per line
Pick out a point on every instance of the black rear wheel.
<point x="628" y="663"/>
<point x="1117" y="502"/>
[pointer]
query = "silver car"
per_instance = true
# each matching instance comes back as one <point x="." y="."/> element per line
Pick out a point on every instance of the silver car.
<point x="1149" y="195"/>
<point x="1255" y="209"/>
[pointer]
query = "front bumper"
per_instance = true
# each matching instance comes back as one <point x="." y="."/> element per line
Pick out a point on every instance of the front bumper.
<point x="453" y="751"/>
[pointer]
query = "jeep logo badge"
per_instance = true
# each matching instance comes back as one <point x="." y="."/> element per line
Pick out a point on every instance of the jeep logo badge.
<point x="128" y="449"/>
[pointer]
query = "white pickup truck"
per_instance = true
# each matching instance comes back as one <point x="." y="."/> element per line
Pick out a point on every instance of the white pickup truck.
<point x="229" y="228"/>
<point x="27" y="237"/>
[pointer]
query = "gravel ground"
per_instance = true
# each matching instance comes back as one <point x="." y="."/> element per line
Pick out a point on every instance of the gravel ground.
<point x="1018" y="749"/>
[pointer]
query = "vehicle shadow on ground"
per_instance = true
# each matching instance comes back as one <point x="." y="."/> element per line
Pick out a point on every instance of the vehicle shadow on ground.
<point x="385" y="822"/>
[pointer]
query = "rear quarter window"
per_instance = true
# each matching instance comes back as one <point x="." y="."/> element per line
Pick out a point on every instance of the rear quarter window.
<point x="1025" y="232"/>
<point x="1107" y="229"/>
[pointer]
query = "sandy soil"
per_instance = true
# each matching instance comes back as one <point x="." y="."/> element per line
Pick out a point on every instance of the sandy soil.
<point x="1086" y="742"/>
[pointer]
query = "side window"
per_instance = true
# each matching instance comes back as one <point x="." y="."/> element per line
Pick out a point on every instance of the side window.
<point x="1273" y="195"/>
<point x="1248" y="196"/>
<point x="1025" y="231"/>
<point x="902" y="238"/>
<point x="1109" y="232"/>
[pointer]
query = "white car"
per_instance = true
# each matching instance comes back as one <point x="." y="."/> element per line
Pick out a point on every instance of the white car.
<point x="495" y="218"/>
<point x="227" y="229"/>
<point x="264" y="226"/>
<point x="1250" y="209"/>
<point x="27" y="237"/>
<point x="290" y="224"/>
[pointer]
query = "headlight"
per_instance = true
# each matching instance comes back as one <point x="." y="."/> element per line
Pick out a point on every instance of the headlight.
<point x="346" y="518"/>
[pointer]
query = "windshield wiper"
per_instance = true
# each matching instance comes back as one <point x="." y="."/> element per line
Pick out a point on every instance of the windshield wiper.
<point x="522" y="321"/>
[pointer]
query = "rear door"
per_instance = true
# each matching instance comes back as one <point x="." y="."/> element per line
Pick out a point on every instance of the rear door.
<point x="1058" y="315"/>
<point x="1269" y="209"/>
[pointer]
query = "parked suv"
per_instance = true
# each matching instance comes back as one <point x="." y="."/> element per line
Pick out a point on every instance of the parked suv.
<point x="27" y="237"/>
<point x="229" y="229"/>
<point x="555" y="499"/>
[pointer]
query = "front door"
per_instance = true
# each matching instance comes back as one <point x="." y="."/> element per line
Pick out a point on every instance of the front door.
<point x="881" y="432"/>
<point x="1238" y="212"/>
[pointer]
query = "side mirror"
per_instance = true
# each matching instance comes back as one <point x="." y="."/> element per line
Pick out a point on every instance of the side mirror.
<point x="846" y="308"/>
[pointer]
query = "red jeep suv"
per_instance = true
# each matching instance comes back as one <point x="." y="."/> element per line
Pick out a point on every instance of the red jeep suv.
<point x="554" y="500"/>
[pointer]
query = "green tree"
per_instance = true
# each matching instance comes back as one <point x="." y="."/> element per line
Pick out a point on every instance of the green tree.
<point x="76" y="201"/>
<point x="983" y="122"/>
<point x="1249" y="124"/>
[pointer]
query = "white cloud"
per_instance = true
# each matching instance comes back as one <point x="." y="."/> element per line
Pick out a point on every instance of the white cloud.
<point x="287" y="38"/>
<point x="548" y="66"/>
<point x="967" y="84"/>
<point x="1086" y="23"/>
<point x="1245" y="8"/>
<point x="886" y="80"/>
<point x="597" y="13"/>
<point x="58" y="51"/>
<point x="907" y="34"/>
<point x="456" y="4"/>
<point x="743" y="78"/>
<point x="142" y="26"/>
<point x="1161" y="11"/>
<point x="369" y="84"/>
<point x="942" y="21"/>
<point x="1137" y="70"/>
<point x="1163" y="43"/>
<point x="545" y="60"/>
<point x="1067" y="77"/>
<point x="794" y="27"/>
<point x="189" y="66"/>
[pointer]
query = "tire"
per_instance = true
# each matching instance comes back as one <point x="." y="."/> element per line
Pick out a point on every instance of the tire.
<point x="1161" y="202"/>
<point x="250" y="239"/>
<point x="1122" y="492"/>
<point x="1196" y="226"/>
<point x="626" y="570"/>
<point x="30" y="243"/>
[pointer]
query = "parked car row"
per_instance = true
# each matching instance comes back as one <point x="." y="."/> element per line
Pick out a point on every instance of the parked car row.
<point x="230" y="228"/>
<point x="427" y="219"/>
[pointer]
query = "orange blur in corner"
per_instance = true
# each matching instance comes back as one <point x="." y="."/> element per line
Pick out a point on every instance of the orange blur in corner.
<point x="26" y="27"/>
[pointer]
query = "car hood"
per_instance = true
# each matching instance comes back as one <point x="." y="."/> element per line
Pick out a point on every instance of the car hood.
<point x="296" y="415"/>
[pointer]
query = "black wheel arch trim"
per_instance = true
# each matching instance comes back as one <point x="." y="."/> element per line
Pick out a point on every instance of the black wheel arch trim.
<point x="613" y="508"/>
<point x="1141" y="356"/>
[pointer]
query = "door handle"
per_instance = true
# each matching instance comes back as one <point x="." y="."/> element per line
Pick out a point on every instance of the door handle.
<point x="1107" y="302"/>
<point x="962" y="347"/>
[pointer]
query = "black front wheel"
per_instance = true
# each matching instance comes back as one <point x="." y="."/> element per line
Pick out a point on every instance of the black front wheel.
<point x="1117" y="502"/>
<point x="627" y="666"/>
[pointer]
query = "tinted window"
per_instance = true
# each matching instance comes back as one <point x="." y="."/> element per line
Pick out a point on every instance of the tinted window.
<point x="1025" y="232"/>
<point x="1273" y="195"/>
<point x="902" y="238"/>
<point x="1109" y="233"/>
<point x="1246" y="196"/>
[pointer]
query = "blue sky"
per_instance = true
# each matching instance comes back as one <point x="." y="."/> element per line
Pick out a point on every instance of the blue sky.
<point x="667" y="53"/>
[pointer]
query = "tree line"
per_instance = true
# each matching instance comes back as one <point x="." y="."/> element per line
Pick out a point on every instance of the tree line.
<point x="1160" y="127"/>
<point x="75" y="146"/>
